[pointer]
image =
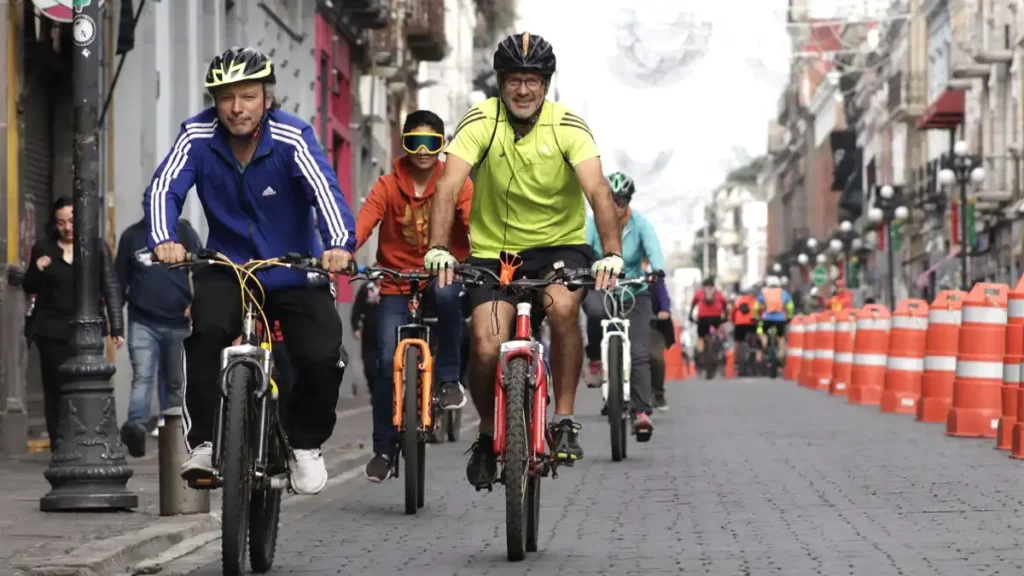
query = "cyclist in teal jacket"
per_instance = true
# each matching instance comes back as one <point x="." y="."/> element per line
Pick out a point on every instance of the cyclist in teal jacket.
<point x="639" y="242"/>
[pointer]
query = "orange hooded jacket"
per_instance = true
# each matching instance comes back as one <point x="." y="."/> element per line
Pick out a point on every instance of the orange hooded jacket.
<point x="405" y="222"/>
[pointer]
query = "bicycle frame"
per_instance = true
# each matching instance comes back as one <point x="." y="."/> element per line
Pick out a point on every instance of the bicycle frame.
<point x="523" y="345"/>
<point x="616" y="328"/>
<point x="414" y="333"/>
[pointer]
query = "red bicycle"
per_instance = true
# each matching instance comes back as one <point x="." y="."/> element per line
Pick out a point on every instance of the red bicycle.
<point x="521" y="399"/>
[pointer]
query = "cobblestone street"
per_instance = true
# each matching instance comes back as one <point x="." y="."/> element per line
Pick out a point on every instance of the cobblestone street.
<point x="742" y="477"/>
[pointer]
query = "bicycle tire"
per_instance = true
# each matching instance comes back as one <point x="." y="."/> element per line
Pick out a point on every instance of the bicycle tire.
<point x="516" y="457"/>
<point x="454" y="418"/>
<point x="410" y="427"/>
<point x="265" y="505"/>
<point x="421" y="472"/>
<point x="616" y="406"/>
<point x="532" y="512"/>
<point x="237" y="473"/>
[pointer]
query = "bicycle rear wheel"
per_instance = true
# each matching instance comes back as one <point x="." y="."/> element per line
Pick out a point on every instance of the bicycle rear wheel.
<point x="237" y="472"/>
<point x="410" y="427"/>
<point x="517" y="458"/>
<point x="532" y="512"/>
<point x="616" y="403"/>
<point x="265" y="506"/>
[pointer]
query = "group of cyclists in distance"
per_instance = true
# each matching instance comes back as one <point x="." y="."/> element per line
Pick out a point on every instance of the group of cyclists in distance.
<point x="259" y="173"/>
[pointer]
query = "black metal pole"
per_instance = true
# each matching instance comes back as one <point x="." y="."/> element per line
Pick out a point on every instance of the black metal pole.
<point x="964" y="281"/>
<point x="88" y="469"/>
<point x="892" y="271"/>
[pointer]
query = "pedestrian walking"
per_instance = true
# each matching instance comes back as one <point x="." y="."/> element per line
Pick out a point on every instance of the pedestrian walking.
<point x="158" y="301"/>
<point x="50" y="277"/>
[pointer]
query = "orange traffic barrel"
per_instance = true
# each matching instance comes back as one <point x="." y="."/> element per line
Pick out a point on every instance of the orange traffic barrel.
<point x="905" y="364"/>
<point x="870" y="351"/>
<point x="824" y="353"/>
<point x="730" y="363"/>
<point x="806" y="376"/>
<point x="794" y="347"/>
<point x="977" y="389"/>
<point x="1011" y="365"/>
<point x="846" y="329"/>
<point x="940" y="347"/>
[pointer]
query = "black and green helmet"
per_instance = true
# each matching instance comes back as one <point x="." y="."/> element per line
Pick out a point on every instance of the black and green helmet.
<point x="621" y="185"/>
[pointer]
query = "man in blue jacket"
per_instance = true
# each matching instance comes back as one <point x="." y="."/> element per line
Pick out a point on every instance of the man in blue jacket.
<point x="158" y="300"/>
<point x="639" y="243"/>
<point x="259" y="174"/>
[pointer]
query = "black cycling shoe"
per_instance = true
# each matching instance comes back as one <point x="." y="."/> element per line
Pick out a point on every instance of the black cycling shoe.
<point x="482" y="468"/>
<point x="133" y="437"/>
<point x="379" y="468"/>
<point x="604" y="409"/>
<point x="564" y="441"/>
<point x="451" y="396"/>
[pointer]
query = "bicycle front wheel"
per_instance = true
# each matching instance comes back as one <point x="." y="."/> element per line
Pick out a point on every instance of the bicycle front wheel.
<point x="616" y="403"/>
<point x="265" y="506"/>
<point x="517" y="457"/>
<point x="237" y="472"/>
<point x="410" y="426"/>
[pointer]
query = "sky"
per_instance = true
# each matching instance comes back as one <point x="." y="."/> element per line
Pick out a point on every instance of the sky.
<point x="717" y="112"/>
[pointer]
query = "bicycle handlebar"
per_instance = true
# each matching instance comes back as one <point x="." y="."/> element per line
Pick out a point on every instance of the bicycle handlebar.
<point x="568" y="277"/>
<point x="375" y="272"/>
<point x="292" y="260"/>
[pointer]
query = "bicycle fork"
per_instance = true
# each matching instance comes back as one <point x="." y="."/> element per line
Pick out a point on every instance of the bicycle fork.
<point x="610" y="328"/>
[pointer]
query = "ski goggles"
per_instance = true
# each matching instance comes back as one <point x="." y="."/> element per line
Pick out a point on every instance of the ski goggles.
<point x="414" y="142"/>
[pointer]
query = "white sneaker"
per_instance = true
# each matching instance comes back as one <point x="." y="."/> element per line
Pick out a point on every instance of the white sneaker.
<point x="199" y="463"/>
<point x="309" y="474"/>
<point x="155" y="433"/>
<point x="593" y="378"/>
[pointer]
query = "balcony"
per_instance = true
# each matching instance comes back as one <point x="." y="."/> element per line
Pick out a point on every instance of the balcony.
<point x="384" y="45"/>
<point x="424" y="30"/>
<point x="907" y="94"/>
<point x="369" y="14"/>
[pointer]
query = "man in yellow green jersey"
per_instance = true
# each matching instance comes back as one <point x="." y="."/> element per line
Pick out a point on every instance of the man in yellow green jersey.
<point x="537" y="165"/>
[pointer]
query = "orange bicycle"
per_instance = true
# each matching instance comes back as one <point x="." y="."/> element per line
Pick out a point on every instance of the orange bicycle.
<point x="414" y="401"/>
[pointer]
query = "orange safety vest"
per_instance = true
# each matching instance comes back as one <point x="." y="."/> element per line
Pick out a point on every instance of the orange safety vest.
<point x="841" y="301"/>
<point x="741" y="318"/>
<point x="773" y="300"/>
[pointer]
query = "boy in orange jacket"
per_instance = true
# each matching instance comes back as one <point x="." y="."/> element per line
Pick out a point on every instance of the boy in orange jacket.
<point x="400" y="204"/>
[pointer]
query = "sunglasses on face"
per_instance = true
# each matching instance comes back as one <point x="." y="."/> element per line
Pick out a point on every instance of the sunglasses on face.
<point x="414" y="142"/>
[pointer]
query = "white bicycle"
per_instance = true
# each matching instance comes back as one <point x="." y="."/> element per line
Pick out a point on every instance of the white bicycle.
<point x="616" y="366"/>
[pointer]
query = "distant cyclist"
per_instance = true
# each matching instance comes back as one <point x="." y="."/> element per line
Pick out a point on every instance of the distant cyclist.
<point x="744" y="319"/>
<point x="775" y="306"/>
<point x="712" y="308"/>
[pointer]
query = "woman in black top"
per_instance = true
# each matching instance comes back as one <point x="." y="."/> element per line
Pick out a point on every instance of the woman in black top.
<point x="51" y="280"/>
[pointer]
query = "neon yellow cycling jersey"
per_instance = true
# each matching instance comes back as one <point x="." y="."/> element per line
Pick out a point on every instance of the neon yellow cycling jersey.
<point x="526" y="194"/>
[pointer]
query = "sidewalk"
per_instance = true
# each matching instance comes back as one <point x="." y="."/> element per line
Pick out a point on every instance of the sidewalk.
<point x="38" y="543"/>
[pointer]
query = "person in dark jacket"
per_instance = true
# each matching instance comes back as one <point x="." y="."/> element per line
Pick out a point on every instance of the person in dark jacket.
<point x="662" y="337"/>
<point x="50" y="278"/>
<point x="158" y="299"/>
<point x="364" y="328"/>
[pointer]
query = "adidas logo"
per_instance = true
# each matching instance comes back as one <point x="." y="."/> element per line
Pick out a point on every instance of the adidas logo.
<point x="269" y="191"/>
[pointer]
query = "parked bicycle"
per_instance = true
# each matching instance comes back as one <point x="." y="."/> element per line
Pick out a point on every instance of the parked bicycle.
<point x="615" y="361"/>
<point x="521" y="398"/>
<point x="250" y="448"/>
<point x="415" y="403"/>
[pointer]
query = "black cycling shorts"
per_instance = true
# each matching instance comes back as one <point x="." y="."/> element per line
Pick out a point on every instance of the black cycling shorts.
<point x="537" y="262"/>
<point x="704" y="325"/>
<point x="741" y="332"/>
<point x="780" y="327"/>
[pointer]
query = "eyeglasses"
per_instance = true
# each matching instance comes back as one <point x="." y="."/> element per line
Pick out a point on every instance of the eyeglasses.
<point x="414" y="142"/>
<point x="515" y="83"/>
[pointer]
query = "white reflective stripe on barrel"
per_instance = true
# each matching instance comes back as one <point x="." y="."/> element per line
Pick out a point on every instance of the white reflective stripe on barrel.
<point x="1015" y="308"/>
<point x="986" y="370"/>
<point x="944" y="317"/>
<point x="796" y="352"/>
<point x="798" y="328"/>
<point x="869" y="359"/>
<point x="844" y="327"/>
<point x="1011" y="373"/>
<point x="824" y="354"/>
<point x="983" y="315"/>
<point x="905" y="364"/>
<point x="844" y="357"/>
<point x="940" y="363"/>
<point x="910" y="323"/>
<point x="873" y="324"/>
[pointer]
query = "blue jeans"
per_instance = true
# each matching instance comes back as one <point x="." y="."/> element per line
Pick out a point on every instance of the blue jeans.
<point x="156" y="355"/>
<point x="447" y="366"/>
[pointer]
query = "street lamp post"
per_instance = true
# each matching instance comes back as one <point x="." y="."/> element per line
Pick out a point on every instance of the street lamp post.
<point x="88" y="469"/>
<point x="889" y="208"/>
<point x="961" y="170"/>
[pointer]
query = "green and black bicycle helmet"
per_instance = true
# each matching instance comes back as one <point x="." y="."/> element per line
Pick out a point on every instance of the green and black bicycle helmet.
<point x="622" y="187"/>
<point x="239" y="65"/>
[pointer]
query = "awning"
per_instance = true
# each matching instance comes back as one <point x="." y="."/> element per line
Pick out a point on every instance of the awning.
<point x="922" y="279"/>
<point x="947" y="111"/>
